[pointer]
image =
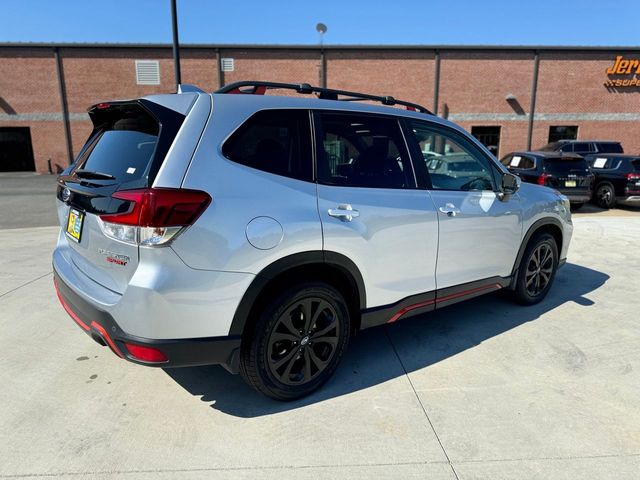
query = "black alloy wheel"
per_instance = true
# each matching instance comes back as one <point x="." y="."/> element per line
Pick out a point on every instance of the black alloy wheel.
<point x="296" y="342"/>
<point x="605" y="196"/>
<point x="537" y="269"/>
<point x="303" y="341"/>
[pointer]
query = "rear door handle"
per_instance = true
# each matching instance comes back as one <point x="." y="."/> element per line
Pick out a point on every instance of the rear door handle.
<point x="450" y="210"/>
<point x="344" y="212"/>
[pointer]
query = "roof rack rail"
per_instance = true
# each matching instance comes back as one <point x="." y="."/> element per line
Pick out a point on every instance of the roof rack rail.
<point x="260" y="88"/>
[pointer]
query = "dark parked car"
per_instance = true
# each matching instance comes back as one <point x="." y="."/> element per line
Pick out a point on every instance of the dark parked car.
<point x="583" y="147"/>
<point x="617" y="179"/>
<point x="569" y="174"/>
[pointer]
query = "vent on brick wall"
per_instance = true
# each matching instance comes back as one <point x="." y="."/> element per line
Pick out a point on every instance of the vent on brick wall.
<point x="228" y="65"/>
<point x="147" y="72"/>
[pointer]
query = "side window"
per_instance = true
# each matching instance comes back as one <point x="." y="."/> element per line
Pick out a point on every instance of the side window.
<point x="274" y="141"/>
<point x="362" y="151"/>
<point x="453" y="163"/>
<point x="568" y="147"/>
<point x="605" y="163"/>
<point x="582" y="147"/>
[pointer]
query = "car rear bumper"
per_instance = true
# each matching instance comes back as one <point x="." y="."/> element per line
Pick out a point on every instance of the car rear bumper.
<point x="576" y="197"/>
<point x="101" y="326"/>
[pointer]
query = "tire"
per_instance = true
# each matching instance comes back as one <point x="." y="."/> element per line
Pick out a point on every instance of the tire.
<point x="605" y="196"/>
<point x="575" y="206"/>
<point x="288" y="354"/>
<point x="527" y="289"/>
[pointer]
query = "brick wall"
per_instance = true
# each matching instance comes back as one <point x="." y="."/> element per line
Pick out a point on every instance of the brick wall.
<point x="474" y="85"/>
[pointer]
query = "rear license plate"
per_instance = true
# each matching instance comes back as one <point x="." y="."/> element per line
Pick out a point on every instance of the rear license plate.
<point x="74" y="224"/>
<point x="570" y="183"/>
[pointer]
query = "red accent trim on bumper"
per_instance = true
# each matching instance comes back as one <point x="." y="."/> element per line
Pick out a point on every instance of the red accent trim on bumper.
<point x="84" y="326"/>
<point x="106" y="336"/>
<point x="76" y="319"/>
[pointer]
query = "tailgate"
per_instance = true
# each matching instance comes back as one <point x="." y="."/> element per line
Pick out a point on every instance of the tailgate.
<point x="124" y="152"/>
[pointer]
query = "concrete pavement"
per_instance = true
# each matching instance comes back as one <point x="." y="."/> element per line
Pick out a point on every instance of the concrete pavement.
<point x="485" y="389"/>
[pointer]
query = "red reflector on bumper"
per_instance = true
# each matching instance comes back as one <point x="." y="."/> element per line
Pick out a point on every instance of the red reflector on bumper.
<point x="146" y="354"/>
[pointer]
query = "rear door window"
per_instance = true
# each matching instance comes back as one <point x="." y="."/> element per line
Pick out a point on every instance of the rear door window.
<point x="603" y="163"/>
<point x="274" y="141"/>
<point x="362" y="151"/>
<point x="582" y="147"/>
<point x="520" y="161"/>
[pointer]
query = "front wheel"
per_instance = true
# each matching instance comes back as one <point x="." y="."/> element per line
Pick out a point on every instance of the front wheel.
<point x="297" y="343"/>
<point x="537" y="269"/>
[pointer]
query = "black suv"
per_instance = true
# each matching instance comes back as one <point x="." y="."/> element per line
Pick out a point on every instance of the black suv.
<point x="582" y="147"/>
<point x="569" y="174"/>
<point x="617" y="179"/>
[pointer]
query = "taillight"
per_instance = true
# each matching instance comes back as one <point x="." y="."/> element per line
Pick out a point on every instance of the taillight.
<point x="633" y="176"/>
<point x="542" y="179"/>
<point x="155" y="215"/>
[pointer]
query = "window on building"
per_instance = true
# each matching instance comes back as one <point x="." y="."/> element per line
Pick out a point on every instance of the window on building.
<point x="274" y="141"/>
<point x="562" y="132"/>
<point x="489" y="137"/>
<point x="363" y="151"/>
<point x="147" y="72"/>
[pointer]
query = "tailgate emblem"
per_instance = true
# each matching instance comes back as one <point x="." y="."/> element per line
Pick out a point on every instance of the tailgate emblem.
<point x="114" y="257"/>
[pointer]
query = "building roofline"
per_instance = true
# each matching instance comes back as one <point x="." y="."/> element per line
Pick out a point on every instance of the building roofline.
<point x="228" y="46"/>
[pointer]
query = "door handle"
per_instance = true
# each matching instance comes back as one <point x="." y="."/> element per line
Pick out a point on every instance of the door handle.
<point x="344" y="212"/>
<point x="450" y="209"/>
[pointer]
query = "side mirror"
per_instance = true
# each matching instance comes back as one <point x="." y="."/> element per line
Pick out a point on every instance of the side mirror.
<point x="510" y="183"/>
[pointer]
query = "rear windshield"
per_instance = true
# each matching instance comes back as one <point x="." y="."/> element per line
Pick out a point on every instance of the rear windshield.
<point x="551" y="147"/>
<point x="564" y="166"/>
<point x="123" y="145"/>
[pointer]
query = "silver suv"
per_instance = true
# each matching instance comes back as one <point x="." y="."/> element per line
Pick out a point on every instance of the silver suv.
<point x="261" y="232"/>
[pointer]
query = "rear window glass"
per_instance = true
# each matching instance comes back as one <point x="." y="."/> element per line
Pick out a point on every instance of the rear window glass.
<point x="123" y="146"/>
<point x="610" y="147"/>
<point x="551" y="147"/>
<point x="604" y="163"/>
<point x="274" y="141"/>
<point x="564" y="166"/>
<point x="582" y="147"/>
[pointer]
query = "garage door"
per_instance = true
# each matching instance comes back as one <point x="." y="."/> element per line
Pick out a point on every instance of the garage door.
<point x="16" y="153"/>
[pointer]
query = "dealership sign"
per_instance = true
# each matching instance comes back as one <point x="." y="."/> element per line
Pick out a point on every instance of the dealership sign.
<point x="630" y="68"/>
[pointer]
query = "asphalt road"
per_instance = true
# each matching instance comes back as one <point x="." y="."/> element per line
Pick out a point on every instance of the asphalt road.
<point x="27" y="200"/>
<point x="481" y="390"/>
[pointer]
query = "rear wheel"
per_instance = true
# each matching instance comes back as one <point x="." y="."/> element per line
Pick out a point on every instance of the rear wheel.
<point x="537" y="269"/>
<point x="605" y="196"/>
<point x="297" y="342"/>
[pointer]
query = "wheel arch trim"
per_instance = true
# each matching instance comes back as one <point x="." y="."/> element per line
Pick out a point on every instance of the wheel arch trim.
<point x="537" y="225"/>
<point x="288" y="263"/>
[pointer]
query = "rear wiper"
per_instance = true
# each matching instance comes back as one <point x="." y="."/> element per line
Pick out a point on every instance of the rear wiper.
<point x="93" y="175"/>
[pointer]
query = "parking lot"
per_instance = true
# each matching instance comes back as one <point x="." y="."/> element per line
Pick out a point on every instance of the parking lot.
<point x="484" y="389"/>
